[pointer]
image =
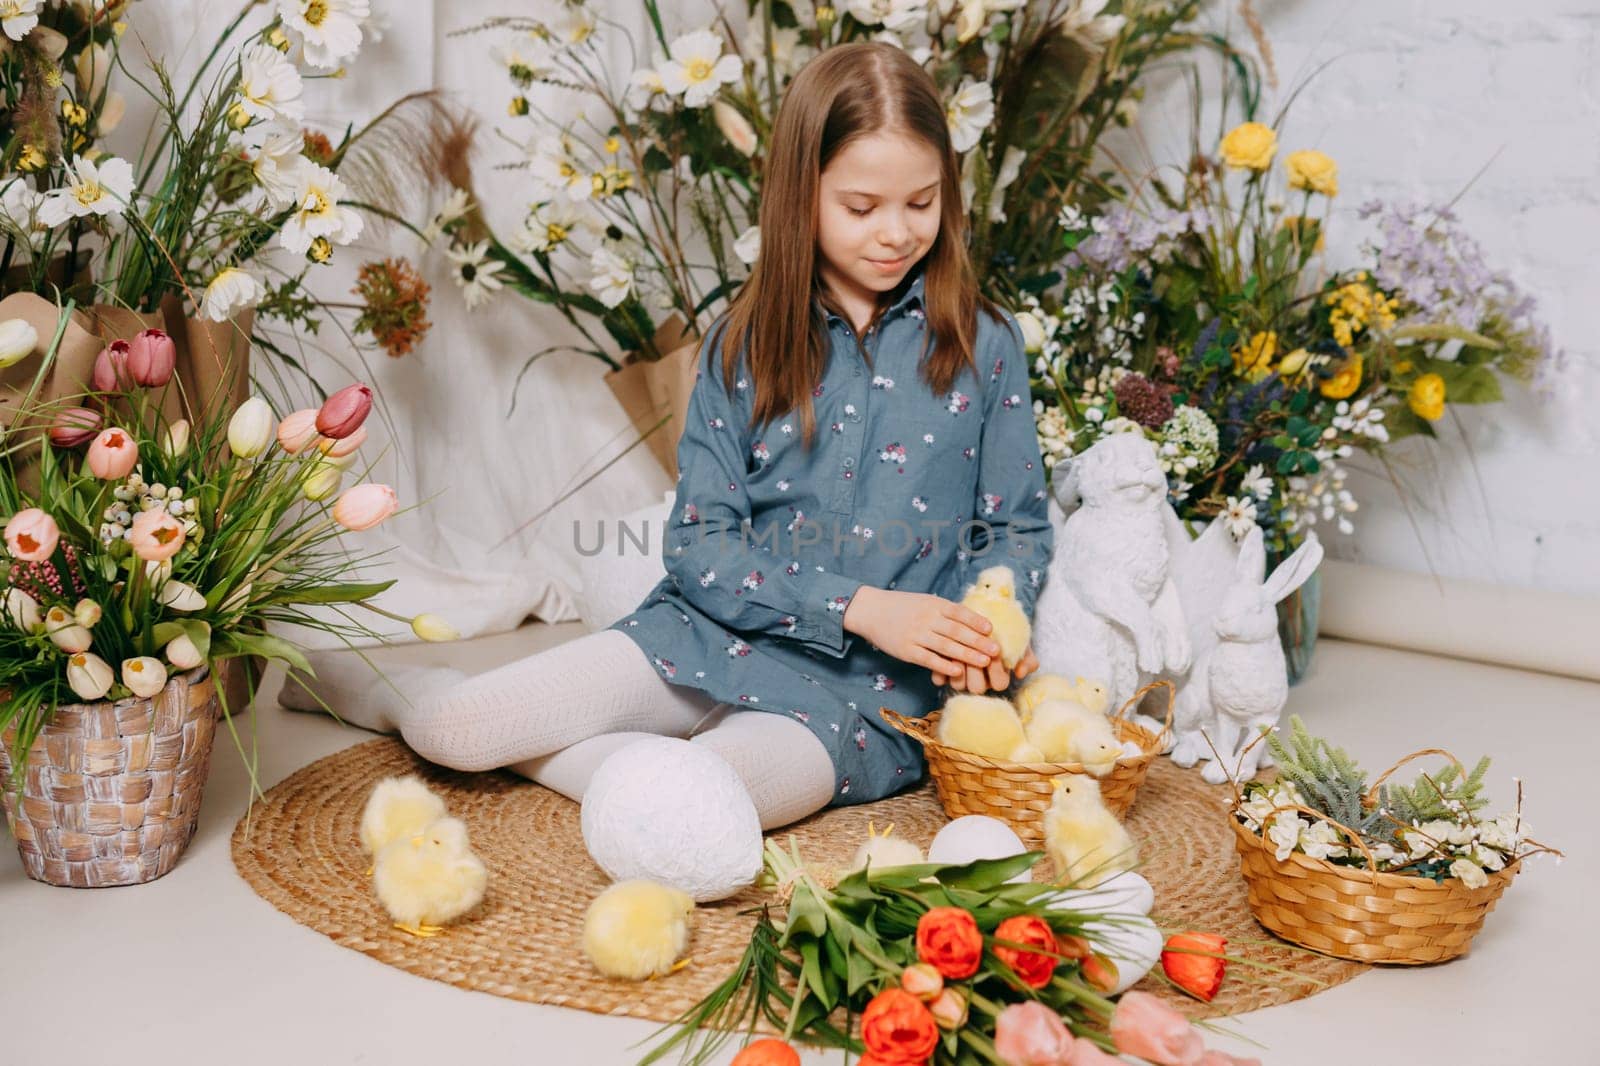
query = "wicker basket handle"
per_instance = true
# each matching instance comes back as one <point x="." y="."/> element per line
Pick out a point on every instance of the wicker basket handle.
<point x="1133" y="701"/>
<point x="1372" y="792"/>
<point x="1317" y="816"/>
<point x="915" y="728"/>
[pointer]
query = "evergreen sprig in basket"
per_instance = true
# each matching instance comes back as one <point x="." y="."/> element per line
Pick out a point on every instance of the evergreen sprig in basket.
<point x="1362" y="913"/>
<point x="1019" y="793"/>
<point x="111" y="790"/>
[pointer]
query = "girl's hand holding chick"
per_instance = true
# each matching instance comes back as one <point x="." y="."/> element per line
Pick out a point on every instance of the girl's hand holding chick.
<point x="923" y="629"/>
<point x="994" y="677"/>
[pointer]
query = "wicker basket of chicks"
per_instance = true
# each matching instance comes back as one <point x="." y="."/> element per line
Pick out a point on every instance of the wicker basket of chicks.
<point x="999" y="757"/>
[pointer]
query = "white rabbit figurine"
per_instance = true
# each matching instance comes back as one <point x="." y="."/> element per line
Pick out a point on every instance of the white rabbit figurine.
<point x="1239" y="687"/>
<point x="1109" y="608"/>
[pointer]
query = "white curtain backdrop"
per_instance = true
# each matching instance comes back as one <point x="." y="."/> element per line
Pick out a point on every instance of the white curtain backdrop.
<point x="1394" y="111"/>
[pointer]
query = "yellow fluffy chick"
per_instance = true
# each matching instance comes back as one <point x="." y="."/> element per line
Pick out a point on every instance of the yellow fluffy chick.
<point x="1041" y="687"/>
<point x="429" y="879"/>
<point x="994" y="595"/>
<point x="1083" y="838"/>
<point x="983" y="725"/>
<point x="1027" y="751"/>
<point x="398" y="807"/>
<point x="883" y="850"/>
<point x="1053" y="725"/>
<point x="637" y="929"/>
<point x="1092" y="694"/>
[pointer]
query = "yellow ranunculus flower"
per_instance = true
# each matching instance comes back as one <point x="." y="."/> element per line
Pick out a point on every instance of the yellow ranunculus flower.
<point x="1253" y="359"/>
<point x="1313" y="171"/>
<point x="1426" y="398"/>
<point x="1345" y="382"/>
<point x="1250" y="146"/>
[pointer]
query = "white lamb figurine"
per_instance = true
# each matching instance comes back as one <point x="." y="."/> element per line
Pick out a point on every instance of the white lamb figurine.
<point x="1239" y="687"/>
<point x="1109" y="608"/>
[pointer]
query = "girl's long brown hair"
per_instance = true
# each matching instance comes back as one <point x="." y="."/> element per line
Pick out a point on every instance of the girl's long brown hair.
<point x="847" y="92"/>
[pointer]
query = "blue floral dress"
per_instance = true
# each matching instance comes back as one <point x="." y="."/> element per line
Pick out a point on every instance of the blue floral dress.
<point x="765" y="545"/>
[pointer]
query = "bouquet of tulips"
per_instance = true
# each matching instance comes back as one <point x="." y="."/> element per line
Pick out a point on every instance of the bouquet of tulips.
<point x="933" y="964"/>
<point x="137" y="543"/>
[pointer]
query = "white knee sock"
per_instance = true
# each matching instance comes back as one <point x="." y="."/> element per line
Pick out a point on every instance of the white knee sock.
<point x="783" y="765"/>
<point x="598" y="683"/>
<point x="358" y="693"/>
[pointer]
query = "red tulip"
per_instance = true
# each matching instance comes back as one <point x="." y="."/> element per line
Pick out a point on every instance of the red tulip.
<point x="1197" y="974"/>
<point x="151" y="358"/>
<point x="344" y="412"/>
<point x="111" y="368"/>
<point x="74" y="426"/>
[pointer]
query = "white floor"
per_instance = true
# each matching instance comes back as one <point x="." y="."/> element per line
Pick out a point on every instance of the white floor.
<point x="195" y="968"/>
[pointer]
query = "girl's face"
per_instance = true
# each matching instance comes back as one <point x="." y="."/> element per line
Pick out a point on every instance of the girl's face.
<point x="877" y="214"/>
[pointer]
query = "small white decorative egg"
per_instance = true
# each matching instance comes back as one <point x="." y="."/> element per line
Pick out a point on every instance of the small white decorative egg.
<point x="974" y="837"/>
<point x="665" y="810"/>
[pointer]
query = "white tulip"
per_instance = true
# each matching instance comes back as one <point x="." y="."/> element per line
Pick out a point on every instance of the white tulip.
<point x="323" y="480"/>
<point x="238" y="599"/>
<point x="87" y="613"/>
<point x="89" y="675"/>
<point x="144" y="676"/>
<point x="1032" y="332"/>
<point x="23" y="610"/>
<point x="432" y="628"/>
<point x="111" y="113"/>
<point x="252" y="428"/>
<point x="182" y="653"/>
<point x="176" y="440"/>
<point x="181" y="596"/>
<point x="18" y="339"/>
<point x="735" y="127"/>
<point x="65" y="632"/>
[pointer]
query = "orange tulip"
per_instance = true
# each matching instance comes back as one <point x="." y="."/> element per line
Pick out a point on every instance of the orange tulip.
<point x="1197" y="974"/>
<point x="768" y="1051"/>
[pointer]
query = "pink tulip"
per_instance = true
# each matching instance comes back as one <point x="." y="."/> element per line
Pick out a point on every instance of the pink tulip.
<point x="338" y="449"/>
<point x="298" y="430"/>
<point x="155" y="535"/>
<point x="111" y="368"/>
<point x="344" y="412"/>
<point x="1222" y="1058"/>
<point x="364" y="506"/>
<point x="1088" y="1053"/>
<point x="1031" y="1034"/>
<point x="32" y="535"/>
<point x="113" y="455"/>
<point x="1144" y="1026"/>
<point x="151" y="358"/>
<point x="74" y="426"/>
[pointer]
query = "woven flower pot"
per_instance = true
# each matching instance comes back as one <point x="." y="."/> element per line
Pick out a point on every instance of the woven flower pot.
<point x="111" y="792"/>
<point x="1364" y="915"/>
<point x="651" y="390"/>
<point x="1019" y="793"/>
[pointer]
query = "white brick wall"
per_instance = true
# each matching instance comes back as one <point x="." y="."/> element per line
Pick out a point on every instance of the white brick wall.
<point x="1416" y="100"/>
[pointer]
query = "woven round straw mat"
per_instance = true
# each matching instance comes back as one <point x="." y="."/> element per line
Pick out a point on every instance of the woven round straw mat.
<point x="524" y="941"/>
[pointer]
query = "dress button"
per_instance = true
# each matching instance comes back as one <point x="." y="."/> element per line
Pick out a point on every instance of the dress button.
<point x="849" y="462"/>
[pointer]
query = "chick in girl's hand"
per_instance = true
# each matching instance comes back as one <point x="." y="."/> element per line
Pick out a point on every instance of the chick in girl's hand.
<point x="398" y="807"/>
<point x="429" y="879"/>
<point x="637" y="929"/>
<point x="1066" y="731"/>
<point x="994" y="595"/>
<point x="884" y="851"/>
<point x="1082" y="837"/>
<point x="983" y="725"/>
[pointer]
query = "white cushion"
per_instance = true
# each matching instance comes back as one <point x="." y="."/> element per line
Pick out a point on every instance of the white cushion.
<point x="616" y="584"/>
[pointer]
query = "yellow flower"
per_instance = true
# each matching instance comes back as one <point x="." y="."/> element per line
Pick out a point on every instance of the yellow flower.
<point x="518" y="106"/>
<point x="1356" y="306"/>
<point x="1293" y="363"/>
<point x="1253" y="359"/>
<point x="31" y="158"/>
<point x="1403" y="367"/>
<point x="1250" y="146"/>
<point x="1345" y="382"/>
<point x="321" y="250"/>
<point x="1314" y="172"/>
<point x="1426" y="398"/>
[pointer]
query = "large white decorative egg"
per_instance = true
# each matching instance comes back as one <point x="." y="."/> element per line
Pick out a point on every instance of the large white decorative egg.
<point x="977" y="836"/>
<point x="669" y="811"/>
<point x="1124" y="893"/>
<point x="1133" y="944"/>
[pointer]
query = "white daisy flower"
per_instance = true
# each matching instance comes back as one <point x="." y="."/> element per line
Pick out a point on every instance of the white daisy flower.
<point x="896" y="15"/>
<point x="17" y="17"/>
<point x="550" y="226"/>
<point x="969" y="113"/>
<point x="273" y="152"/>
<point x="318" y="212"/>
<point x="557" y="169"/>
<point x="1239" y="516"/>
<point x="573" y="26"/>
<point x="697" y="68"/>
<point x="748" y="246"/>
<point x="269" y="86"/>
<point x="19" y="210"/>
<point x="329" y="30"/>
<point x="1256" y="482"/>
<point x="231" y="291"/>
<point x="645" y="88"/>
<point x="476" y="273"/>
<point x="788" y="53"/>
<point x="92" y="189"/>
<point x="456" y="205"/>
<point x="612" y="276"/>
